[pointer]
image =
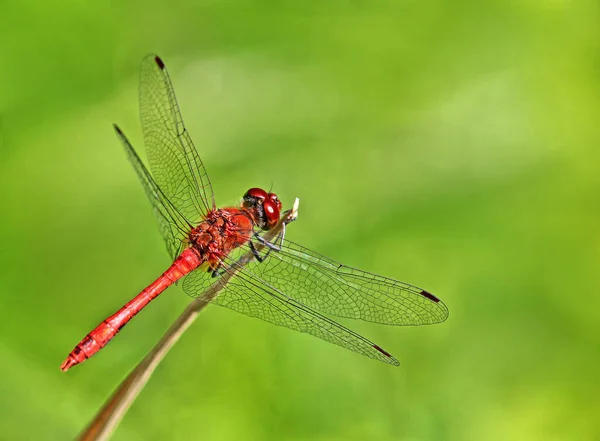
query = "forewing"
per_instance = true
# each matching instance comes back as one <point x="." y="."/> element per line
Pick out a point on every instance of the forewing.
<point x="248" y="294"/>
<point x="174" y="161"/>
<point x="172" y="224"/>
<point x="332" y="288"/>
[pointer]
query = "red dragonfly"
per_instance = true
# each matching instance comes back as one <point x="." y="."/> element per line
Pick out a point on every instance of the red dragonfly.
<point x="285" y="286"/>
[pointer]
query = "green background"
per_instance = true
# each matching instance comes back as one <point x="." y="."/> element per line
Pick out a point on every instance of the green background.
<point x="450" y="145"/>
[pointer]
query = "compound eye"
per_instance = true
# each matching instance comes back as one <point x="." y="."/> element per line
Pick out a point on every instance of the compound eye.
<point x="258" y="193"/>
<point x="273" y="198"/>
<point x="271" y="213"/>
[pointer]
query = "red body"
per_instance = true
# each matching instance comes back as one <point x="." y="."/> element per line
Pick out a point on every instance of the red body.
<point x="220" y="233"/>
<point x="292" y="288"/>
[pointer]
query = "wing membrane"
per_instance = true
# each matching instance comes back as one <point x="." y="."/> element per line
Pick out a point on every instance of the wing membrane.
<point x="249" y="295"/>
<point x="332" y="288"/>
<point x="174" y="160"/>
<point x="173" y="226"/>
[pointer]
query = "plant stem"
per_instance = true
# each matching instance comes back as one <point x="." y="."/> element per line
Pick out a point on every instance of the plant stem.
<point x="109" y="416"/>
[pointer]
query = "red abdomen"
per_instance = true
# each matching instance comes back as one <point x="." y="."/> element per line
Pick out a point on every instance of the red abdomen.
<point x="218" y="234"/>
<point x="105" y="331"/>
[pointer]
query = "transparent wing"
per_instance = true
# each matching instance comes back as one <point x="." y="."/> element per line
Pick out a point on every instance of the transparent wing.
<point x="172" y="224"/>
<point x="174" y="161"/>
<point x="247" y="294"/>
<point x="332" y="288"/>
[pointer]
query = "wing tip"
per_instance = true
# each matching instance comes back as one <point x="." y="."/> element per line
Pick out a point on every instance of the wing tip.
<point x="159" y="62"/>
<point x="430" y="296"/>
<point x="117" y="129"/>
<point x="391" y="359"/>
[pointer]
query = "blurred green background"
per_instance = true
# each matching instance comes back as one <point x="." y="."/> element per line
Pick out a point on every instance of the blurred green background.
<point x="451" y="145"/>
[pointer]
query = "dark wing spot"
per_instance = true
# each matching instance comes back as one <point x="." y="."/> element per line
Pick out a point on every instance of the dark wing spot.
<point x="159" y="62"/>
<point x="387" y="354"/>
<point x="117" y="129"/>
<point x="429" y="296"/>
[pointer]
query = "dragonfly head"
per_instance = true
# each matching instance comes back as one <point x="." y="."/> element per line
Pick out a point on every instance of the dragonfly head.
<point x="264" y="207"/>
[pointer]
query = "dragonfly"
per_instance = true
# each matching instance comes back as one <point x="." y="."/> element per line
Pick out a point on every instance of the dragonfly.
<point x="284" y="283"/>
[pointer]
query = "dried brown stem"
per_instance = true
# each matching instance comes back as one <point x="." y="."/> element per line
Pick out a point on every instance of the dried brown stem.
<point x="109" y="416"/>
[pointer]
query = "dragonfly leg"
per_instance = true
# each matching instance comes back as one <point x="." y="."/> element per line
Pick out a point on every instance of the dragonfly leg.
<point x="275" y="246"/>
<point x="257" y="255"/>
